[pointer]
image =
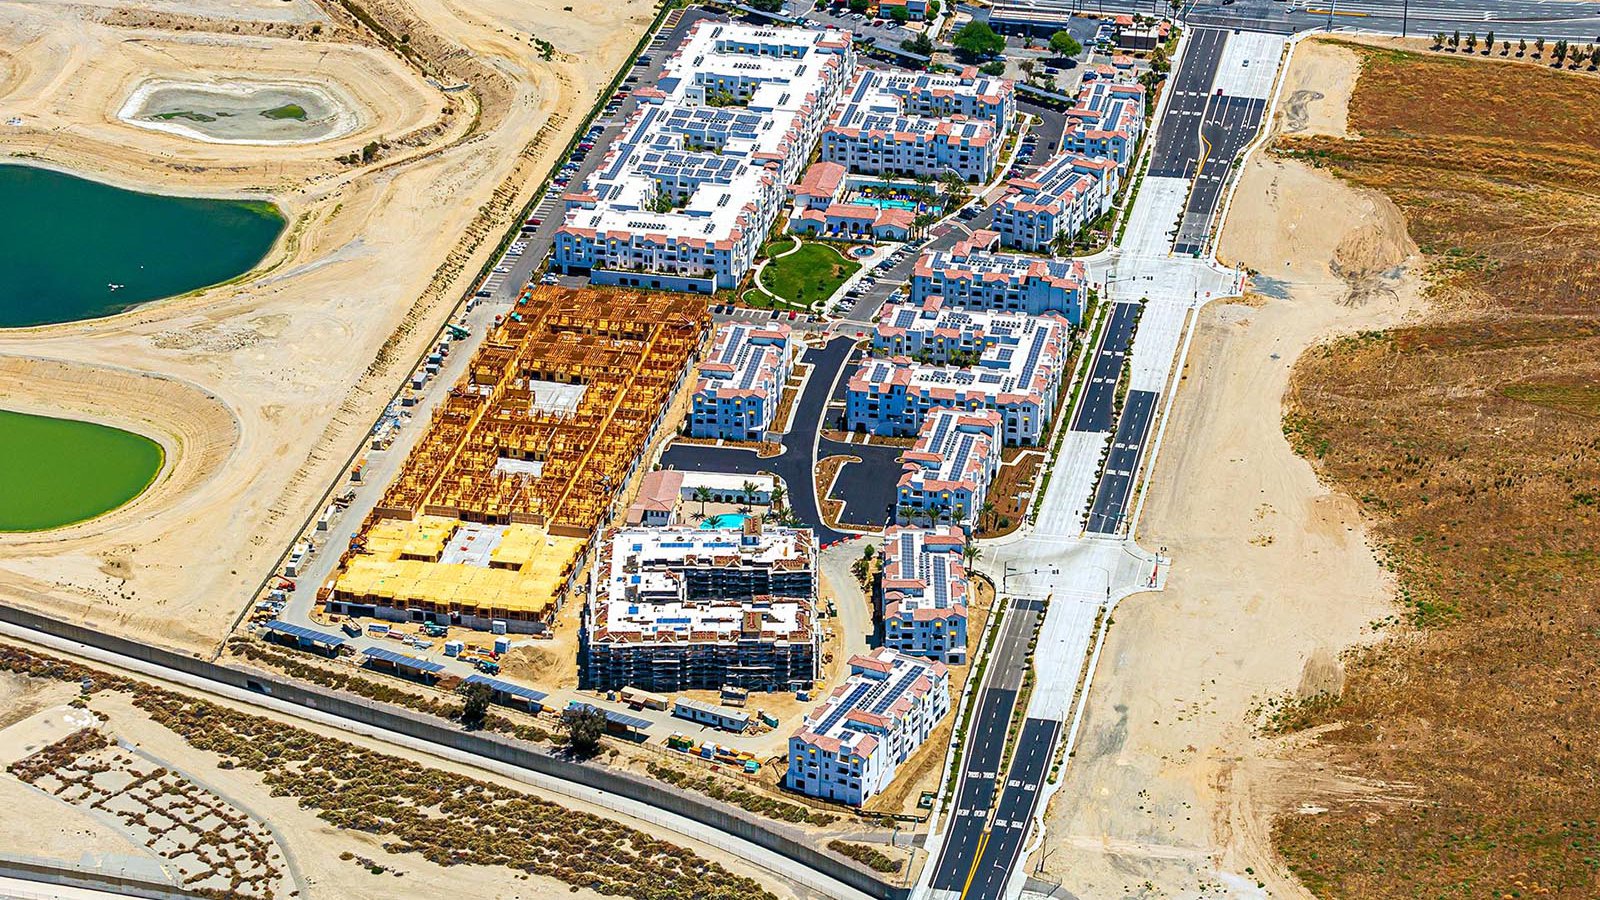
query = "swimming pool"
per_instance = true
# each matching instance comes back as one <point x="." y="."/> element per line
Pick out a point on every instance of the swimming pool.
<point x="726" y="520"/>
<point x="888" y="203"/>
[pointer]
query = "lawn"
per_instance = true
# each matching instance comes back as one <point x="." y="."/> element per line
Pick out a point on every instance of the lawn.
<point x="808" y="275"/>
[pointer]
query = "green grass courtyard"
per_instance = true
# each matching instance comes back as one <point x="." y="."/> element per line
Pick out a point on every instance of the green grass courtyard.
<point x="808" y="275"/>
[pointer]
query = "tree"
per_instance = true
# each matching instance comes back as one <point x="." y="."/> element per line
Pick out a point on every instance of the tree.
<point x="971" y="553"/>
<point x="898" y="15"/>
<point x="703" y="494"/>
<point x="777" y="498"/>
<point x="1455" y="39"/>
<point x="922" y="45"/>
<point x="1063" y="44"/>
<point x="1538" y="47"/>
<point x="770" y="6"/>
<point x="976" y="40"/>
<point x="1560" y="52"/>
<point x="860" y="6"/>
<point x="1522" y="46"/>
<point x="748" y="489"/>
<point x="1594" y="58"/>
<point x="583" y="726"/>
<point x="1472" y="42"/>
<point x="1438" y="40"/>
<point x="995" y="67"/>
<point x="1505" y="48"/>
<point x="1159" y="63"/>
<point x="475" y="704"/>
<point x="1488" y="42"/>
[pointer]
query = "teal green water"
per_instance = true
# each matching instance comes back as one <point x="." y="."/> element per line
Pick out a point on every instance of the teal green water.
<point x="65" y="240"/>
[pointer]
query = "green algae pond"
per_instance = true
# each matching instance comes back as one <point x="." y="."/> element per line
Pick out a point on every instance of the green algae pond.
<point x="60" y="471"/>
<point x="72" y="249"/>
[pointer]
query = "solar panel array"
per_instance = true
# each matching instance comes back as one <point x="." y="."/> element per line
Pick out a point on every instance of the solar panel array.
<point x="303" y="633"/>
<point x="400" y="659"/>
<point x="612" y="716"/>
<point x="506" y="687"/>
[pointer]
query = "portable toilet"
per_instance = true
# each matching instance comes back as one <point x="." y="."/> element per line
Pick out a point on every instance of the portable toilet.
<point x="502" y="645"/>
<point x="498" y="626"/>
<point x="453" y="648"/>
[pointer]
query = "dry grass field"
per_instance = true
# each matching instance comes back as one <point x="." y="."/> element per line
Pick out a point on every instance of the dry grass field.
<point x="1472" y="441"/>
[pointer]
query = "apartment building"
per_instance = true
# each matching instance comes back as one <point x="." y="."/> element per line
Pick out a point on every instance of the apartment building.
<point x="675" y="609"/>
<point x="849" y="748"/>
<point x="741" y="382"/>
<point x="949" y="469"/>
<point x="933" y="356"/>
<point x="919" y="123"/>
<point x="1055" y="201"/>
<point x="1107" y="121"/>
<point x="922" y="592"/>
<point x="972" y="275"/>
<point x="684" y="198"/>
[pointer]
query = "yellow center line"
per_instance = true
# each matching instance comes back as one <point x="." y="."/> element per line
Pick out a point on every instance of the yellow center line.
<point x="983" y="842"/>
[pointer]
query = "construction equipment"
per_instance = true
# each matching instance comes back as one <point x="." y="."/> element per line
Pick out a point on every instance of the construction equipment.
<point x="434" y="629"/>
<point x="457" y="332"/>
<point x="487" y="666"/>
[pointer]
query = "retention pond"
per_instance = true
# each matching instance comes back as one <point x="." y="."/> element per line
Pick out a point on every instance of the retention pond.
<point x="74" y="249"/>
<point x="61" y="471"/>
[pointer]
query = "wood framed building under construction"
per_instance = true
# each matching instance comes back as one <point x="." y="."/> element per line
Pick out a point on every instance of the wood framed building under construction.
<point x="545" y="430"/>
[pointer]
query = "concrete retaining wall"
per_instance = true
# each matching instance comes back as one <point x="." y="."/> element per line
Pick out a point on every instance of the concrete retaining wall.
<point x="778" y="838"/>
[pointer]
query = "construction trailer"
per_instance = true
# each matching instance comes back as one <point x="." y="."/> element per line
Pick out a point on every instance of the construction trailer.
<point x="706" y="714"/>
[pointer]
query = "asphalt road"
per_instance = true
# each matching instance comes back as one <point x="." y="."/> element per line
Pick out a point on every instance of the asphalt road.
<point x="796" y="464"/>
<point x="1096" y="409"/>
<point x="1507" y="18"/>
<point x="1008" y="831"/>
<point x="968" y="827"/>
<point x="1114" y="493"/>
<point x="1228" y="125"/>
<point x="1177" y="146"/>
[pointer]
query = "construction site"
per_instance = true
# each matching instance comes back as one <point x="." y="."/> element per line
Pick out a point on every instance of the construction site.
<point x="487" y="522"/>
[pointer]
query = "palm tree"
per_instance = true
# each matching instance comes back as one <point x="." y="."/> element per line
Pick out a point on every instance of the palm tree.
<point x="986" y="513"/>
<point x="703" y="494"/>
<point x="971" y="553"/>
<point x="749" y="489"/>
<point x="776" y="501"/>
<point x="1522" y="46"/>
<point x="1538" y="47"/>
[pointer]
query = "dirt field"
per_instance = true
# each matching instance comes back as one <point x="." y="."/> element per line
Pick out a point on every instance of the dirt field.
<point x="1470" y="439"/>
<point x="261" y="388"/>
<point x="1172" y="791"/>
